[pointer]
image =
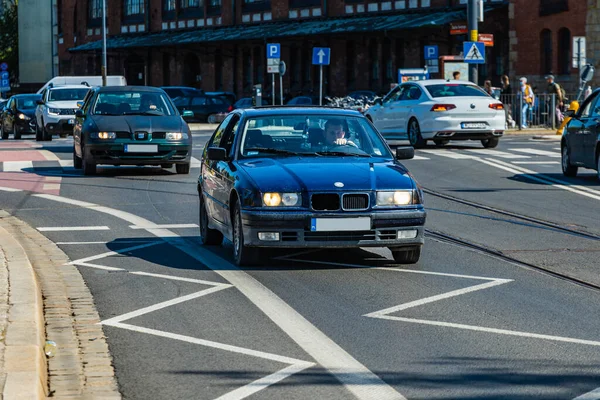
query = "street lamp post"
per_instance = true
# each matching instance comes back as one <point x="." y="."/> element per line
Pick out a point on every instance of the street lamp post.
<point x="103" y="42"/>
<point x="472" y="20"/>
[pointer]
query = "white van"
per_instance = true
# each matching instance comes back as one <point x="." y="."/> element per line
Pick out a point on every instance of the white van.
<point x="111" y="80"/>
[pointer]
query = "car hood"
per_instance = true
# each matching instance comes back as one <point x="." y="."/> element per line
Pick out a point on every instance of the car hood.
<point x="63" y="104"/>
<point x="133" y="123"/>
<point x="321" y="174"/>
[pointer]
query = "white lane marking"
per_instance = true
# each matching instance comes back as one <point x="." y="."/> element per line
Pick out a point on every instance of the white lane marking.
<point x="96" y="266"/>
<point x="16" y="166"/>
<point x="420" y="158"/>
<point x="115" y="252"/>
<point x="48" y="155"/>
<point x="72" y="228"/>
<point x="7" y="189"/>
<point x="165" y="226"/>
<point x="497" y="153"/>
<point x="179" y="278"/>
<point x="51" y="186"/>
<point x="593" y="395"/>
<point x="159" y="306"/>
<point x="357" y="378"/>
<point x="490" y="330"/>
<point x="557" y="148"/>
<point x="537" y="162"/>
<point x="103" y="242"/>
<point x="65" y="163"/>
<point x="448" y="154"/>
<point x="537" y="152"/>
<point x="195" y="163"/>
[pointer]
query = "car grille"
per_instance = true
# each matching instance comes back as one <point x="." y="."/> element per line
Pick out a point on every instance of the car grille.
<point x="123" y="135"/>
<point x="159" y="135"/>
<point x="67" y="111"/>
<point x="325" y="201"/>
<point x="373" y="235"/>
<point x="359" y="201"/>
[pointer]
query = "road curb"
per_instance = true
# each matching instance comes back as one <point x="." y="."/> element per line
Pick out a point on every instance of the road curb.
<point x="24" y="370"/>
<point x="82" y="366"/>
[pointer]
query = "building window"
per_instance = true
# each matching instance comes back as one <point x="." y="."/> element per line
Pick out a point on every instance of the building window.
<point x="256" y="5"/>
<point x="191" y="8"/>
<point x="564" y="51"/>
<point x="134" y="10"/>
<point x="213" y="7"/>
<point x="95" y="12"/>
<point x="168" y="9"/>
<point x="549" y="7"/>
<point x="304" y="3"/>
<point x="546" y="51"/>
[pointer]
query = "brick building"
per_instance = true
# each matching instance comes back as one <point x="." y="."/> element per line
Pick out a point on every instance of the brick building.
<point x="220" y="45"/>
<point x="546" y="46"/>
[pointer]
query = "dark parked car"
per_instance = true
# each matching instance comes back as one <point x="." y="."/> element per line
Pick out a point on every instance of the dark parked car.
<point x="580" y="144"/>
<point x="130" y="125"/>
<point x="303" y="100"/>
<point x="246" y="102"/>
<point x="179" y="91"/>
<point x="202" y="107"/>
<point x="307" y="177"/>
<point x="227" y="96"/>
<point x="18" y="115"/>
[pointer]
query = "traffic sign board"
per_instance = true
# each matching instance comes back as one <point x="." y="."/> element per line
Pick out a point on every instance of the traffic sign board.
<point x="273" y="65"/>
<point x="5" y="83"/>
<point x="282" y="67"/>
<point x="273" y="50"/>
<point x="3" y="66"/>
<point x="4" y="75"/>
<point x="321" y="55"/>
<point x="431" y="52"/>
<point x="474" y="52"/>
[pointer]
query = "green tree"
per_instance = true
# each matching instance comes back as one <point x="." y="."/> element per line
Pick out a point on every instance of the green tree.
<point x="9" y="37"/>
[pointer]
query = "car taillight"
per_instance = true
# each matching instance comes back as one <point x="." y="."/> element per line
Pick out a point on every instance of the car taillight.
<point x="443" y="107"/>
<point x="497" y="106"/>
<point x="230" y="108"/>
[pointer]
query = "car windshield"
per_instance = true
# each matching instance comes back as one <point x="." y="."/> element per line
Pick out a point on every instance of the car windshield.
<point x="27" y="103"/>
<point x="133" y="103"/>
<point x="311" y="135"/>
<point x="455" y="90"/>
<point x="72" y="94"/>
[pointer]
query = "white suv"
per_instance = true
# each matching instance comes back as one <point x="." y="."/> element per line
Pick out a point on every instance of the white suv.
<point x="55" y="113"/>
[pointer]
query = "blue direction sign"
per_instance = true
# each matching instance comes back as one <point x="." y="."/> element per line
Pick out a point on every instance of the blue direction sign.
<point x="4" y="75"/>
<point x="474" y="52"/>
<point x="273" y="50"/>
<point x="321" y="55"/>
<point x="4" y="85"/>
<point x="431" y="52"/>
<point x="3" y="66"/>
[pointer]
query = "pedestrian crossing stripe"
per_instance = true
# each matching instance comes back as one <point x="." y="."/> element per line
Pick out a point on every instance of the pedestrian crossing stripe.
<point x="65" y="165"/>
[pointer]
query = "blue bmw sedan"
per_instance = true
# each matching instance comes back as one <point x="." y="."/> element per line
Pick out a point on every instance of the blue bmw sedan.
<point x="307" y="177"/>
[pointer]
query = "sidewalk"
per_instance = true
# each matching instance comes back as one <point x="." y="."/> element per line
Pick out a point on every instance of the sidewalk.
<point x="43" y="298"/>
<point x="537" y="133"/>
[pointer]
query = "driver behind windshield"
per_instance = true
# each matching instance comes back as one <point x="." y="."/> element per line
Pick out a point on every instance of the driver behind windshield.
<point x="148" y="103"/>
<point x="335" y="134"/>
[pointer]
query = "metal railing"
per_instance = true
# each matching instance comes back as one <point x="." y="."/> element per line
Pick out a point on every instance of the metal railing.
<point x="543" y="113"/>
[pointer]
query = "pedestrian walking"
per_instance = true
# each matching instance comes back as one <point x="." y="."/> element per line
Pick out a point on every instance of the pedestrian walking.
<point x="558" y="91"/>
<point x="526" y="93"/>
<point x="487" y="86"/>
<point x="506" y="97"/>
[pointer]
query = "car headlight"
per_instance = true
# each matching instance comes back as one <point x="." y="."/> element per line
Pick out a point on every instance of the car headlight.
<point x="176" y="135"/>
<point x="54" y="111"/>
<point x="395" y="198"/>
<point x="103" y="135"/>
<point x="281" y="199"/>
<point x="23" y="116"/>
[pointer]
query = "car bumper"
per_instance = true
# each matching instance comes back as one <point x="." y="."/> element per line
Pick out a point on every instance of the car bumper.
<point x="115" y="154"/>
<point x="25" y="126"/>
<point x="450" y="128"/>
<point x="294" y="229"/>
<point x="59" y="125"/>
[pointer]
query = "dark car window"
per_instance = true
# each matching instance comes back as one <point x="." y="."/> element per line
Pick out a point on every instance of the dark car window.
<point x="230" y="133"/>
<point x="132" y="103"/>
<point x="277" y="135"/>
<point x="199" y="101"/>
<point x="218" y="135"/>
<point x="455" y="90"/>
<point x="67" y="94"/>
<point x="411" y="93"/>
<point x="217" y="100"/>
<point x="27" y="103"/>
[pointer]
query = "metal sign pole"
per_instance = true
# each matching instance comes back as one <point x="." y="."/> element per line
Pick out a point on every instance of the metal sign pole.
<point x="273" y="87"/>
<point x="103" y="42"/>
<point x="473" y="35"/>
<point x="321" y="85"/>
<point x="280" y="88"/>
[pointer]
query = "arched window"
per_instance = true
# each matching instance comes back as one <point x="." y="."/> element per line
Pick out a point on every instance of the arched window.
<point x="546" y="51"/>
<point x="564" y="51"/>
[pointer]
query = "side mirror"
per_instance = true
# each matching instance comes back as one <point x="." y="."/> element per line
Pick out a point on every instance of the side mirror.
<point x="187" y="114"/>
<point x="587" y="73"/>
<point x="80" y="104"/>
<point x="79" y="113"/>
<point x="216" y="153"/>
<point x="405" y="153"/>
<point x="39" y="102"/>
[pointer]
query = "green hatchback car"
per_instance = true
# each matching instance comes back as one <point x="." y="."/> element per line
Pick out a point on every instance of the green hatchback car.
<point x="130" y="125"/>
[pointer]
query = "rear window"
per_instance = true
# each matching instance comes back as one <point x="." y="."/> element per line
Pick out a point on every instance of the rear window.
<point x="455" y="90"/>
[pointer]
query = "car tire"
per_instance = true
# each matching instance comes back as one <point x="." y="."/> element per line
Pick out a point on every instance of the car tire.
<point x="166" y="166"/>
<point x="208" y="236"/>
<point x="4" y="133"/>
<point x="182" y="168"/>
<point x="407" y="256"/>
<point x="598" y="166"/>
<point x="414" y="134"/>
<point x="490" y="143"/>
<point x="63" y="135"/>
<point x="211" y="119"/>
<point x="242" y="254"/>
<point x="565" y="161"/>
<point x="441" y="142"/>
<point x="77" y="162"/>
<point x="16" y="135"/>
<point x="47" y="136"/>
<point x="89" y="168"/>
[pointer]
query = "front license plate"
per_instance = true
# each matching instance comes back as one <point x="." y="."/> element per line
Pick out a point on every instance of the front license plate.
<point x="340" y="224"/>
<point x="71" y="122"/>
<point x="474" y="125"/>
<point x="141" y="148"/>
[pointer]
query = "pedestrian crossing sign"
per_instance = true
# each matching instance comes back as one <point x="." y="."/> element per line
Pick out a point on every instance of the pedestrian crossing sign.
<point x="474" y="52"/>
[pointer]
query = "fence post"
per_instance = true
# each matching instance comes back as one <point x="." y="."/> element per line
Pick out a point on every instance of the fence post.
<point x="553" y="113"/>
<point x="522" y="116"/>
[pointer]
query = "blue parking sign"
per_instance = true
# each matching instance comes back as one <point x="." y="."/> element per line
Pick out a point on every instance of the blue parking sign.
<point x="4" y="75"/>
<point x="273" y="50"/>
<point x="5" y="83"/>
<point x="431" y="52"/>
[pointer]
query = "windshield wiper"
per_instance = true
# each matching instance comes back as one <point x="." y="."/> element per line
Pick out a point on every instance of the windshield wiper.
<point x="275" y="151"/>
<point x="340" y="153"/>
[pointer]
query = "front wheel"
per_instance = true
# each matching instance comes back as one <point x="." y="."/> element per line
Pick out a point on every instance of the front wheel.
<point x="209" y="237"/>
<point x="182" y="168"/>
<point x="598" y="166"/>
<point x="77" y="162"/>
<point x="89" y="167"/>
<point x="414" y="134"/>
<point x="4" y="133"/>
<point x="567" y="169"/>
<point x="490" y="143"/>
<point x="407" y="256"/>
<point x="16" y="133"/>
<point x="242" y="254"/>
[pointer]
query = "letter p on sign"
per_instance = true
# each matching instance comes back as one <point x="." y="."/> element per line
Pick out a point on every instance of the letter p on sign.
<point x="273" y="50"/>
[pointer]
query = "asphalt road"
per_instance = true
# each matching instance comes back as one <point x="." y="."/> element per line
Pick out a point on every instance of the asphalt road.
<point x="464" y="323"/>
